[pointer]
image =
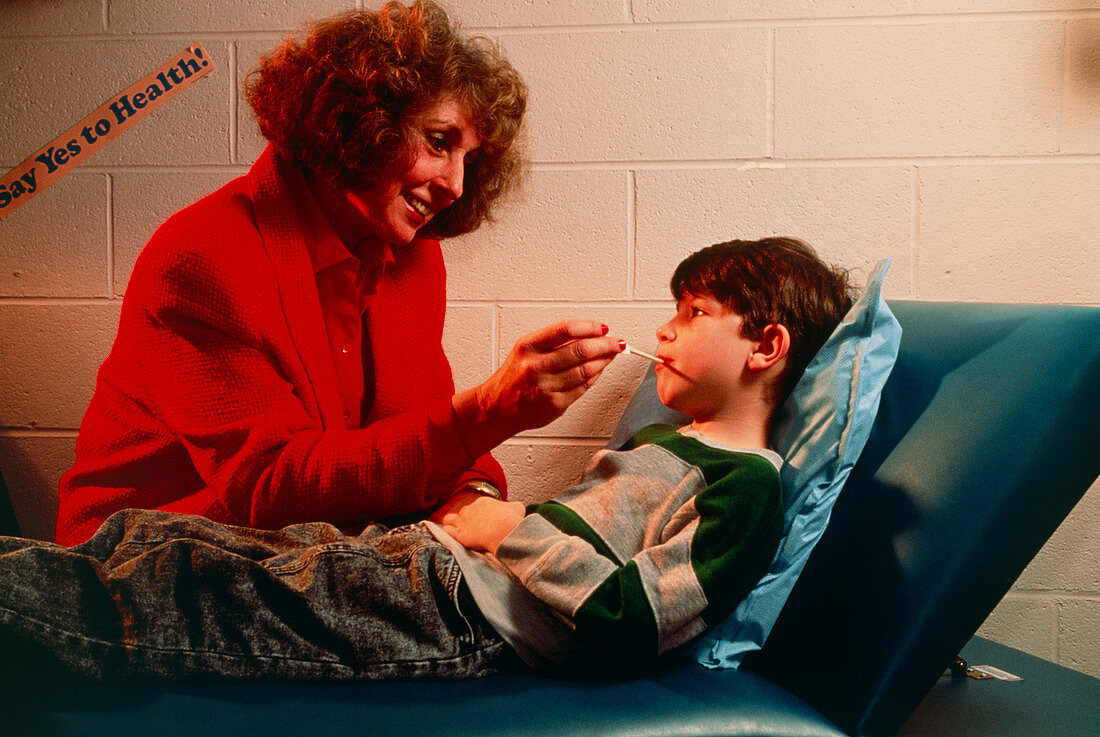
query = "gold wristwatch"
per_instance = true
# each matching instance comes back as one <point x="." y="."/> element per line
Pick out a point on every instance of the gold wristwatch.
<point x="484" y="487"/>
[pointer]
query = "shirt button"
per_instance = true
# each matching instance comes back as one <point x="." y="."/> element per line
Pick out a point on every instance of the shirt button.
<point x="347" y="414"/>
<point x="345" y="348"/>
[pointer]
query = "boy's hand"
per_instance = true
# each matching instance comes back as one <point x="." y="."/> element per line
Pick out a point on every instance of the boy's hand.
<point x="477" y="521"/>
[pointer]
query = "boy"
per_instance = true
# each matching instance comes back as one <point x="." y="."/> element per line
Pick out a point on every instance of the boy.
<point x="658" y="542"/>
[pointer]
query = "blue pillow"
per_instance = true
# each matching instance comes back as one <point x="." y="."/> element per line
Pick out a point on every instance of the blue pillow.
<point x="819" y="431"/>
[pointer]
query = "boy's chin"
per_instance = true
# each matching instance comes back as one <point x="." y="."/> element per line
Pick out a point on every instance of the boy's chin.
<point x="684" y="405"/>
<point x="672" y="403"/>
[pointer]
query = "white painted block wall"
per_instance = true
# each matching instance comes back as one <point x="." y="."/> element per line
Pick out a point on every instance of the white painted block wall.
<point x="960" y="138"/>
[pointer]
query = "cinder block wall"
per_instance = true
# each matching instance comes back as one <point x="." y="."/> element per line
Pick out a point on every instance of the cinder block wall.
<point x="962" y="139"/>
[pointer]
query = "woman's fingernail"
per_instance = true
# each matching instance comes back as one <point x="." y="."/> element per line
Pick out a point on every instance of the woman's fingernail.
<point x="604" y="328"/>
<point x="622" y="345"/>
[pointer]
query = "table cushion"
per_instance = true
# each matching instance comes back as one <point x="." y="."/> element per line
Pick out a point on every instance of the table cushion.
<point x="686" y="700"/>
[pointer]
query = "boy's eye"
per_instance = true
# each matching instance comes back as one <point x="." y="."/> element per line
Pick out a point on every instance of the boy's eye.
<point x="697" y="311"/>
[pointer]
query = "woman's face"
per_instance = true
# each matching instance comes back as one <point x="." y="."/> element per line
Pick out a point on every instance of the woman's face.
<point x="403" y="201"/>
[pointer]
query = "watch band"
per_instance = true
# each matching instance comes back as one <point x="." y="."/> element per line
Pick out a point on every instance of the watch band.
<point x="484" y="487"/>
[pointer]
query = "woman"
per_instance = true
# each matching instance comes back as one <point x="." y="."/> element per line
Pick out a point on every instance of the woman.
<point x="279" y="350"/>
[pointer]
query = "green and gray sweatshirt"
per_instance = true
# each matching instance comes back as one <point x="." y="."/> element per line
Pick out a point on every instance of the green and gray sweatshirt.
<point x="657" y="543"/>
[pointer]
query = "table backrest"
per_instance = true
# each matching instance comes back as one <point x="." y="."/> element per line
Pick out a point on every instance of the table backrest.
<point x="986" y="437"/>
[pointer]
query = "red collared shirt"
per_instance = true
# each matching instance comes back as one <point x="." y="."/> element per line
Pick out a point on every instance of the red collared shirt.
<point x="346" y="279"/>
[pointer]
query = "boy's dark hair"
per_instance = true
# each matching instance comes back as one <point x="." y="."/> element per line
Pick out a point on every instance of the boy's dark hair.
<point x="772" y="281"/>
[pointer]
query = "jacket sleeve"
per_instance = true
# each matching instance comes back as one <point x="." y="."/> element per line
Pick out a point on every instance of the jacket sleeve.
<point x="688" y="576"/>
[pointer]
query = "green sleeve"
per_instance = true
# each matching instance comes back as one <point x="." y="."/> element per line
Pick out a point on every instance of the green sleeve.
<point x="740" y="523"/>
<point x="616" y="619"/>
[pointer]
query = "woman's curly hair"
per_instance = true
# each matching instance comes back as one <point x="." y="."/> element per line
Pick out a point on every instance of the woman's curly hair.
<point x="341" y="103"/>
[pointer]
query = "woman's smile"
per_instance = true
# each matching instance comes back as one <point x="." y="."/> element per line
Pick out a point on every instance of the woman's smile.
<point x="418" y="204"/>
<point x="399" y="204"/>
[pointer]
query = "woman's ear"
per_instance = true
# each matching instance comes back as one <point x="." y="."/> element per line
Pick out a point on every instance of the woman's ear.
<point x="773" y="346"/>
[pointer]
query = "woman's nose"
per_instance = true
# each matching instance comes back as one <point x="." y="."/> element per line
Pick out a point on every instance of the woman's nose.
<point x="451" y="177"/>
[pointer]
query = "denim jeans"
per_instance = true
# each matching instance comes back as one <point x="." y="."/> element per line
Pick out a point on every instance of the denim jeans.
<point x="173" y="596"/>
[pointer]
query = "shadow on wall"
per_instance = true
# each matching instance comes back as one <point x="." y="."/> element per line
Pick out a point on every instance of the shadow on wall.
<point x="1084" y="62"/>
<point x="31" y="469"/>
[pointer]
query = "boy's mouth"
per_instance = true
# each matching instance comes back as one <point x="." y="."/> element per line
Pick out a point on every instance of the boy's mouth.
<point x="668" y="365"/>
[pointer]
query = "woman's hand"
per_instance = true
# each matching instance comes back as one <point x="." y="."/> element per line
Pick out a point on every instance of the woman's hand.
<point x="545" y="372"/>
<point x="477" y="521"/>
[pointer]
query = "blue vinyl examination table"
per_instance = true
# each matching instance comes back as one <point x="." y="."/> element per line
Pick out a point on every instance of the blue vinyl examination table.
<point x="987" y="435"/>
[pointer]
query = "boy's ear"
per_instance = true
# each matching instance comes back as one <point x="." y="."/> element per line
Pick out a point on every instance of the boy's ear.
<point x="773" y="346"/>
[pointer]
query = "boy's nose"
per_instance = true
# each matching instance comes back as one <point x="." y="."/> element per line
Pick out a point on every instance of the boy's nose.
<point x="665" y="333"/>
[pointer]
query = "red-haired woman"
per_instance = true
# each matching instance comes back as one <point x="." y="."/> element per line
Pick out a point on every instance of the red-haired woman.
<point x="279" y="352"/>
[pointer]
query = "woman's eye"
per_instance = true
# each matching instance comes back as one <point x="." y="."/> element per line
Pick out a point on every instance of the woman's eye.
<point x="437" y="141"/>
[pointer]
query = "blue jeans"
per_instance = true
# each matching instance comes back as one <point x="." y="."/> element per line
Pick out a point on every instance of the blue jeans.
<point x="173" y="596"/>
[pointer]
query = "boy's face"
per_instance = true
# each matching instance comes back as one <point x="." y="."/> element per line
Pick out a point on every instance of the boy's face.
<point x="705" y="358"/>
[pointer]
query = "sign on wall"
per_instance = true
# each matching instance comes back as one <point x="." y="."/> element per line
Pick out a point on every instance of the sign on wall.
<point x="71" y="148"/>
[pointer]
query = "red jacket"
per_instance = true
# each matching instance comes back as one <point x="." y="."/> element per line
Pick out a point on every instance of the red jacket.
<point x="219" y="396"/>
